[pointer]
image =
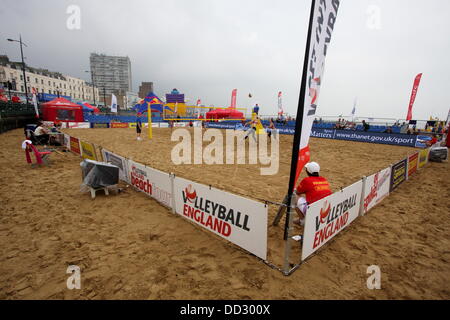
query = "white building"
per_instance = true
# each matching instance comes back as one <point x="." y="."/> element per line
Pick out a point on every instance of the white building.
<point x="45" y="81"/>
<point x="111" y="73"/>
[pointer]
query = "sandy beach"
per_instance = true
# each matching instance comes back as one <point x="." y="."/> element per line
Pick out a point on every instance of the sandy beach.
<point x="130" y="247"/>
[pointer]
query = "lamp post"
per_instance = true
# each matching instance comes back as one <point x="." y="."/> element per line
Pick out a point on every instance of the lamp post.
<point x="93" y="85"/>
<point x="23" y="64"/>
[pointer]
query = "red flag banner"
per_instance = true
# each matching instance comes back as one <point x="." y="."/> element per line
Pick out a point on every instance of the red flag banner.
<point x="233" y="99"/>
<point x="324" y="17"/>
<point x="413" y="95"/>
<point x="280" y="106"/>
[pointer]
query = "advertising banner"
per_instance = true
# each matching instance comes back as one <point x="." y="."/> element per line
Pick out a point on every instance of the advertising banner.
<point x="154" y="183"/>
<point x="132" y="125"/>
<point x="322" y="25"/>
<point x="163" y="125"/>
<point x="239" y="220"/>
<point x="376" y="188"/>
<point x="99" y="125"/>
<point x="413" y="96"/>
<point x="88" y="150"/>
<point x="119" y="161"/>
<point x="412" y="164"/>
<point x="423" y="157"/>
<point x="78" y="125"/>
<point x="399" y="173"/>
<point x="118" y="125"/>
<point x="75" y="145"/>
<point x="329" y="216"/>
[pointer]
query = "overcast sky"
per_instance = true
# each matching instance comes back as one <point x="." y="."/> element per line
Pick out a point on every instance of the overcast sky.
<point x="205" y="48"/>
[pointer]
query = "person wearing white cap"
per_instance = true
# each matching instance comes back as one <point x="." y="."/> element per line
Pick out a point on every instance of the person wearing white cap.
<point x="314" y="187"/>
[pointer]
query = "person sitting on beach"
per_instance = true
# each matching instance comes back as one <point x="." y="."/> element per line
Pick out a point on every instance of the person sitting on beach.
<point x="433" y="141"/>
<point x="366" y="126"/>
<point x="314" y="187"/>
<point x="42" y="133"/>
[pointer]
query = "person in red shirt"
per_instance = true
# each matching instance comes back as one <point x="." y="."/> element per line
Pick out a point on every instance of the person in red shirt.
<point x="432" y="141"/>
<point x="314" y="187"/>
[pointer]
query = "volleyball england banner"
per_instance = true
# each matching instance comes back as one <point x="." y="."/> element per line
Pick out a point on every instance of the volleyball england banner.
<point x="324" y="17"/>
<point x="239" y="220"/>
<point x="329" y="216"/>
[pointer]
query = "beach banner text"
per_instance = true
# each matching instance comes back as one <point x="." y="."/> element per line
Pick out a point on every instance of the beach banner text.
<point x="154" y="183"/>
<point x="376" y="188"/>
<point x="239" y="220"/>
<point x="329" y="216"/>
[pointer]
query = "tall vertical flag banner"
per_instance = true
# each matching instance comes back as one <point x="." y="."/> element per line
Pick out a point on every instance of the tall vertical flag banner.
<point x="413" y="95"/>
<point x="354" y="110"/>
<point x="323" y="15"/>
<point x="280" y="106"/>
<point x="113" y="103"/>
<point x="198" y="105"/>
<point x="233" y="98"/>
<point x="33" y="90"/>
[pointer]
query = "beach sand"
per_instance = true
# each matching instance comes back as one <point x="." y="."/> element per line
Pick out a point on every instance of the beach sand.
<point x="130" y="247"/>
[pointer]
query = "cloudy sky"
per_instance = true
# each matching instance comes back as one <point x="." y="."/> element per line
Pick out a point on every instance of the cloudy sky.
<point x="205" y="48"/>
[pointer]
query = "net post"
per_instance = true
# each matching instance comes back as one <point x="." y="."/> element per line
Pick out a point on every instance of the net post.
<point x="287" y="244"/>
<point x="363" y="191"/>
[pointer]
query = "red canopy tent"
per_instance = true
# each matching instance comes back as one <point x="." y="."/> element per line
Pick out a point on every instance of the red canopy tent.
<point x="61" y="109"/>
<point x="228" y="113"/>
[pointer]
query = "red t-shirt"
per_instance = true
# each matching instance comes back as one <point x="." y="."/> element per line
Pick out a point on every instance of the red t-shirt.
<point x="315" y="188"/>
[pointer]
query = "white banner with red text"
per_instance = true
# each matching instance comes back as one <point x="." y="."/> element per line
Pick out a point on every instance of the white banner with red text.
<point x="239" y="220"/>
<point x="329" y="216"/>
<point x="376" y="189"/>
<point x="154" y="183"/>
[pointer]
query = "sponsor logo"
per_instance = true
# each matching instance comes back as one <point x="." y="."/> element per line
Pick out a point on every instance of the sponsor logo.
<point x="332" y="219"/>
<point x="212" y="215"/>
<point x="139" y="180"/>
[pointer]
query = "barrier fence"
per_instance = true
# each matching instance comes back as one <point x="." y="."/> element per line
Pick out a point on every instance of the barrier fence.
<point x="243" y="221"/>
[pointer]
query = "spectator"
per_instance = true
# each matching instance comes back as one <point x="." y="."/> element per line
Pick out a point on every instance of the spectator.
<point x="366" y="126"/>
<point x="432" y="141"/>
<point x="404" y="127"/>
<point x="42" y="133"/>
<point x="15" y="99"/>
<point x="388" y="130"/>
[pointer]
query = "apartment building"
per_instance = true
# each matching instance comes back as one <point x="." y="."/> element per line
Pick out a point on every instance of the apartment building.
<point x="111" y="73"/>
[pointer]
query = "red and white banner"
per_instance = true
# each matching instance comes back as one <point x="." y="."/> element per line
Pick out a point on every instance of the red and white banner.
<point x="376" y="188"/>
<point x="324" y="17"/>
<point x="329" y="216"/>
<point x="154" y="183"/>
<point x="233" y="98"/>
<point x="239" y="220"/>
<point x="413" y="95"/>
<point x="280" y="106"/>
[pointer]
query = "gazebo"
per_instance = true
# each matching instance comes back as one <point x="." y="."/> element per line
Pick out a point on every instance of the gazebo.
<point x="61" y="109"/>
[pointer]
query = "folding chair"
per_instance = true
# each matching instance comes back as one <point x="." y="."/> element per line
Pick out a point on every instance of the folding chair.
<point x="41" y="157"/>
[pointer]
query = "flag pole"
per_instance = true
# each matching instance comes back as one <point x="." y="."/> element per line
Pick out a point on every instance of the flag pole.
<point x="296" y="143"/>
<point x="149" y="114"/>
